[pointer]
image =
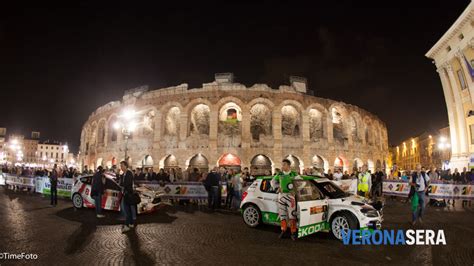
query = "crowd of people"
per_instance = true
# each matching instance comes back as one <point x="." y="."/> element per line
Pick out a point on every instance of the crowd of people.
<point x="62" y="172"/>
<point x="446" y="176"/>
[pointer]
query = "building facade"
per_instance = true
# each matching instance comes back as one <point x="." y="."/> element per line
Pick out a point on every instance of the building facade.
<point x="52" y="152"/>
<point x="227" y="124"/>
<point x="430" y="149"/>
<point x="453" y="56"/>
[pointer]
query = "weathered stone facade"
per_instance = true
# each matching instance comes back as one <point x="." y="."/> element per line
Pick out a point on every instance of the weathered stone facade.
<point x="256" y="126"/>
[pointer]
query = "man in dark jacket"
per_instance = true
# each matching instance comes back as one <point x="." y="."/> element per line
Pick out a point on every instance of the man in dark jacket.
<point x="212" y="186"/>
<point x="127" y="188"/>
<point x="53" y="179"/>
<point x="98" y="182"/>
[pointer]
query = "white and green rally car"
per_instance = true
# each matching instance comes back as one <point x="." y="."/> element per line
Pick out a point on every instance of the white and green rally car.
<point x="321" y="206"/>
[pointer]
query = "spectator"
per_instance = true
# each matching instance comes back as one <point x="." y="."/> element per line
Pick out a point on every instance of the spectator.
<point x="433" y="174"/>
<point x="345" y="175"/>
<point x="195" y="175"/>
<point x="172" y="175"/>
<point x="329" y="175"/>
<point x="212" y="186"/>
<point x="127" y="187"/>
<point x="420" y="182"/>
<point x="53" y="179"/>
<point x="150" y="175"/>
<point x="230" y="188"/>
<point x="97" y="190"/>
<point x="377" y="183"/>
<point x="337" y="174"/>
<point x="237" y="182"/>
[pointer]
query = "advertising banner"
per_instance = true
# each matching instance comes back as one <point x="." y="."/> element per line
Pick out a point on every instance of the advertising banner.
<point x="181" y="190"/>
<point x="20" y="181"/>
<point x="64" y="186"/>
<point x="436" y="190"/>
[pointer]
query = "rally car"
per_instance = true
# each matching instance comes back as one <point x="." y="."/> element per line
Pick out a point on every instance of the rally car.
<point x="321" y="206"/>
<point x="81" y="195"/>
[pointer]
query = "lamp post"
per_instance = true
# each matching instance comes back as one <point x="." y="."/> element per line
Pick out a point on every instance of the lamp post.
<point x="126" y="124"/>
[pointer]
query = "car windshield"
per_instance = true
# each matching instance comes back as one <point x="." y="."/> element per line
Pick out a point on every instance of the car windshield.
<point x="331" y="190"/>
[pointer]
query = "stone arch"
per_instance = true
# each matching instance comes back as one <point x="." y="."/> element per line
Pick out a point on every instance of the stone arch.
<point x="172" y="121"/>
<point x="230" y="161"/>
<point x="355" y="127"/>
<point x="260" y="121"/>
<point x="99" y="162"/>
<point x="169" y="161"/>
<point x="320" y="163"/>
<point x="199" y="119"/>
<point x="198" y="161"/>
<point x="147" y="161"/>
<point x="112" y="131"/>
<point x="229" y="126"/>
<point x="317" y="114"/>
<point x="368" y="131"/>
<point x="370" y="165"/>
<point x="339" y="119"/>
<point x="101" y="132"/>
<point x="261" y="165"/>
<point x="339" y="164"/>
<point x="291" y="120"/>
<point x="83" y="139"/>
<point x="297" y="164"/>
<point x="164" y="111"/>
<point x="93" y="134"/>
<point x="357" y="164"/>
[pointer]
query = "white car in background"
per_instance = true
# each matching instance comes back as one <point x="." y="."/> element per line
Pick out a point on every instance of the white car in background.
<point x="321" y="206"/>
<point x="80" y="195"/>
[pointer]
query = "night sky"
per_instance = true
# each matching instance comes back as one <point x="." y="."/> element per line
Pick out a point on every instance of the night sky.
<point x="59" y="64"/>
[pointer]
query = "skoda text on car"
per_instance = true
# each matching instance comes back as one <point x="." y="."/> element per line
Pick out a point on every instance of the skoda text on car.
<point x="321" y="206"/>
<point x="81" y="196"/>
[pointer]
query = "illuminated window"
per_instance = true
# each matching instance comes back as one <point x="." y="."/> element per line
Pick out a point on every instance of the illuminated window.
<point x="461" y="79"/>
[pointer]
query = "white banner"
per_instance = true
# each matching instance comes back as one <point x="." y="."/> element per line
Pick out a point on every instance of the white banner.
<point x="181" y="190"/>
<point x="20" y="181"/>
<point x="435" y="190"/>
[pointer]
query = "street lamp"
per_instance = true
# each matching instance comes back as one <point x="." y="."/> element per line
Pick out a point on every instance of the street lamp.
<point x="127" y="125"/>
<point x="443" y="143"/>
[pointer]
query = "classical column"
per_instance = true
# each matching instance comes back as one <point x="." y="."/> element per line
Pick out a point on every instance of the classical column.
<point x="157" y="130"/>
<point x="183" y="130"/>
<point x="246" y="134"/>
<point x="467" y="74"/>
<point x="213" y="127"/>
<point x="306" y="139"/>
<point x="277" y="136"/>
<point x="463" y="144"/>
<point x="329" y="129"/>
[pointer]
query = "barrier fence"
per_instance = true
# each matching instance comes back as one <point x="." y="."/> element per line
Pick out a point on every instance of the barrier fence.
<point x="197" y="191"/>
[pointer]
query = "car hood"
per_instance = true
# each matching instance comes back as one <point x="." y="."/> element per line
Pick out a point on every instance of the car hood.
<point x="143" y="190"/>
<point x="352" y="200"/>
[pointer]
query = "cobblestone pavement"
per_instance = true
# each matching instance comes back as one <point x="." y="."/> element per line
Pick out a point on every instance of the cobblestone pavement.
<point x="189" y="236"/>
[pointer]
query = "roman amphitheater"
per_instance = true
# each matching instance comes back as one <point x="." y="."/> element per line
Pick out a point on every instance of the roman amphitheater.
<point x="228" y="124"/>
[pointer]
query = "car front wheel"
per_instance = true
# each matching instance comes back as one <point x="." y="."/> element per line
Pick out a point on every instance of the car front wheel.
<point x="342" y="222"/>
<point x="251" y="215"/>
<point x="77" y="201"/>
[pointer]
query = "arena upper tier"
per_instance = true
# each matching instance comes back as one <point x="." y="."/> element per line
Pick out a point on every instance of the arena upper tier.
<point x="225" y="123"/>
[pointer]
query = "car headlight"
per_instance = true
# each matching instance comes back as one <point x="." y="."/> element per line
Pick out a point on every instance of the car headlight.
<point x="369" y="212"/>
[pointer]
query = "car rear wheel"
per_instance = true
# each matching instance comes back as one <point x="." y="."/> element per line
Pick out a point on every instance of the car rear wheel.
<point x="77" y="201"/>
<point x="342" y="222"/>
<point x="252" y="216"/>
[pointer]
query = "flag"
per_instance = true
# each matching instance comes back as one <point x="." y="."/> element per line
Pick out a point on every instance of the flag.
<point x="469" y="67"/>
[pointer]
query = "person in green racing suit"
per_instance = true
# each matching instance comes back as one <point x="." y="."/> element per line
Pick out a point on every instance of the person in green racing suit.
<point x="286" y="198"/>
